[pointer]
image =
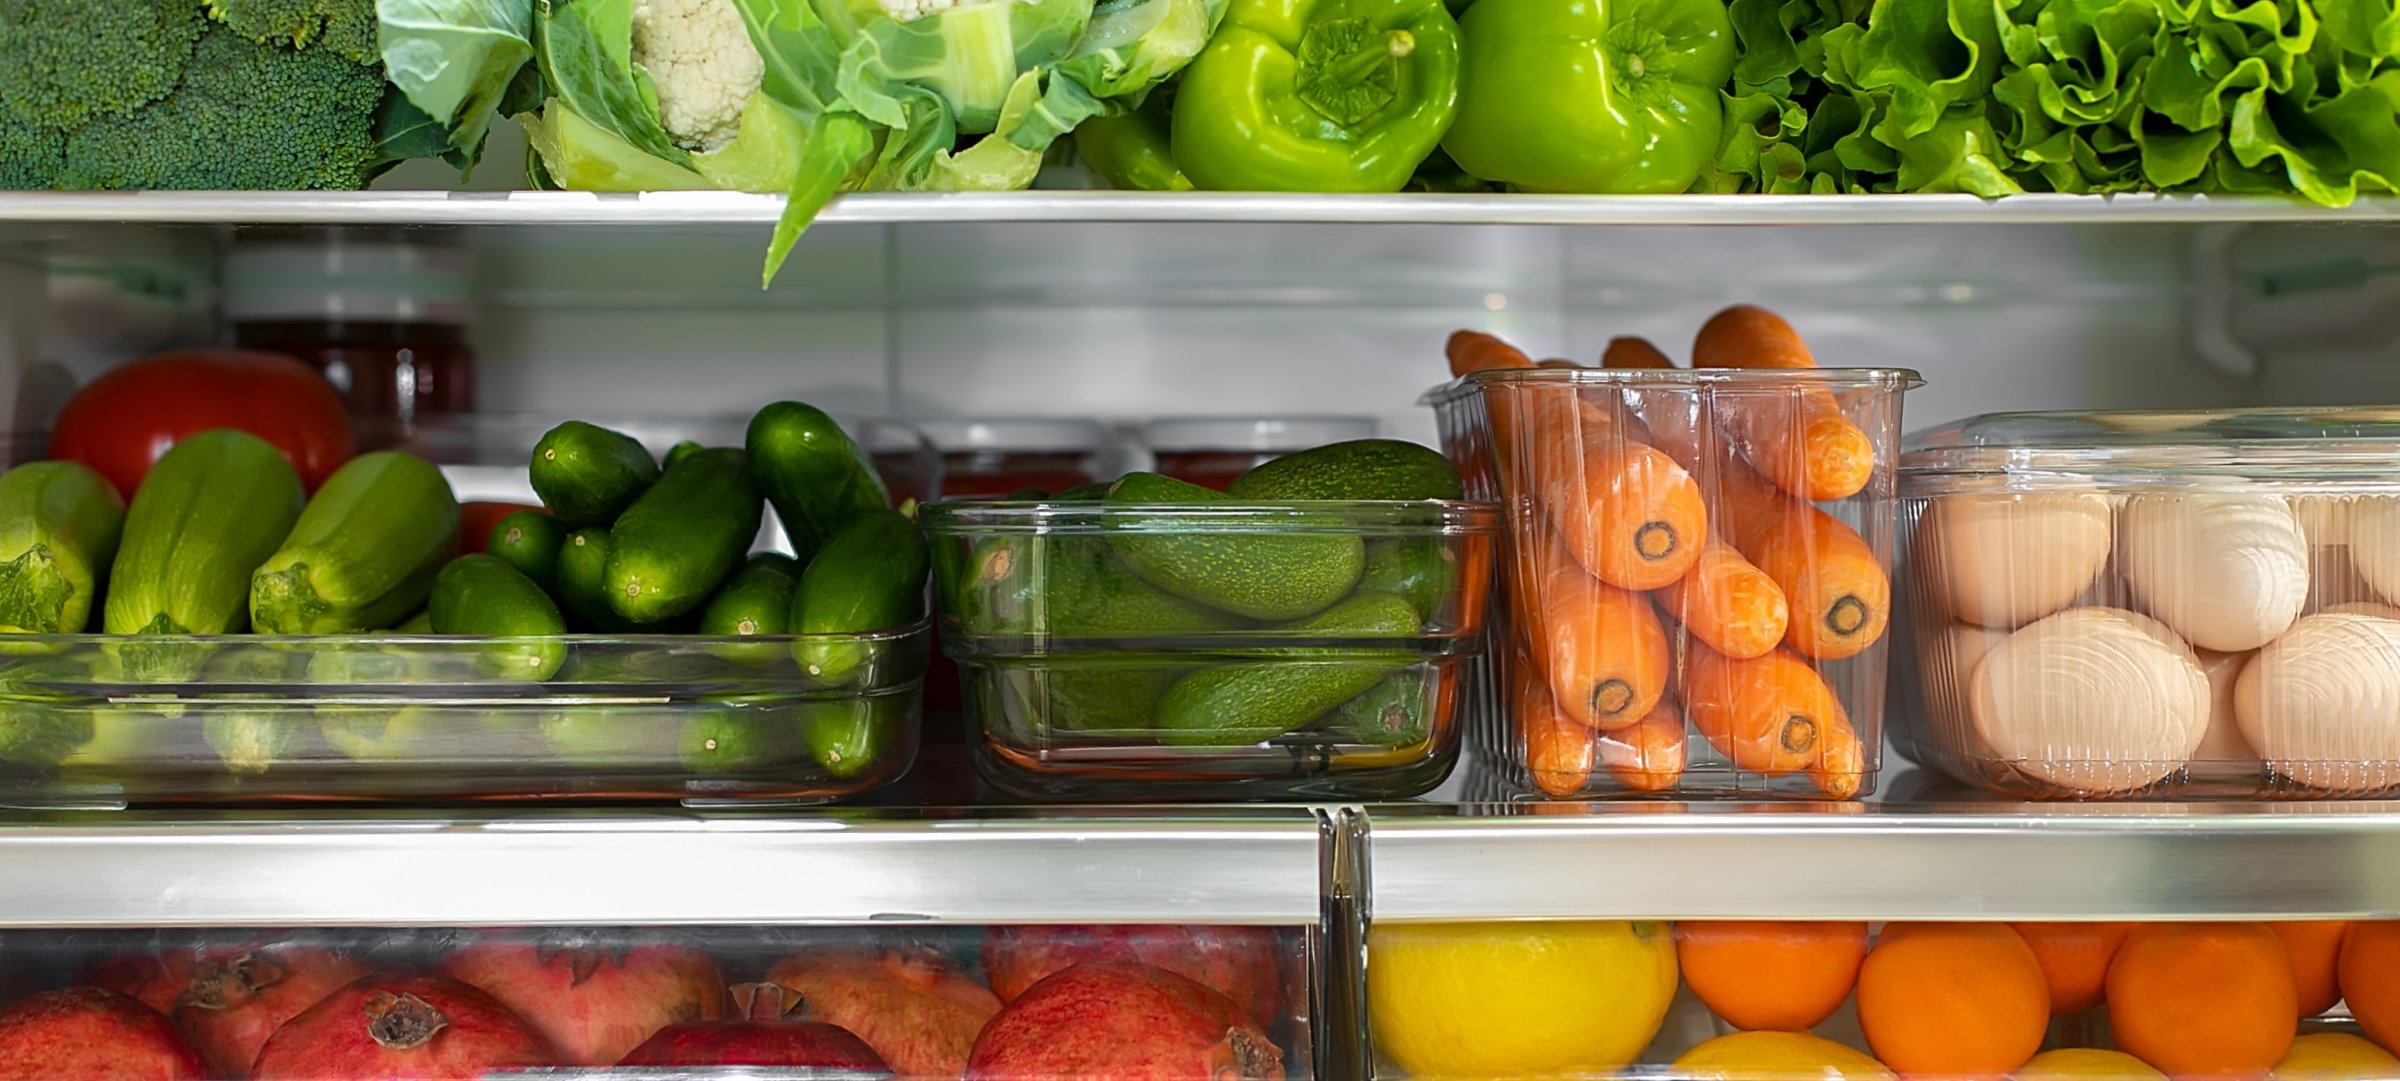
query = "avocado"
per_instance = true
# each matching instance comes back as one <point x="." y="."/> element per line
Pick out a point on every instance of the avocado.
<point x="1357" y="469"/>
<point x="1392" y="713"/>
<point x="1421" y="570"/>
<point x="1236" y="705"/>
<point x="1269" y="576"/>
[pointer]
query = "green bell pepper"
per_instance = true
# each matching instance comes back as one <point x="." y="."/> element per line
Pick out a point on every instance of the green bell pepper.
<point x="1318" y="95"/>
<point x="1593" y="96"/>
<point x="1130" y="151"/>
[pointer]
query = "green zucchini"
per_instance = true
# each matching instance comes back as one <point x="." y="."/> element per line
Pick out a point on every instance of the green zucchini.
<point x="815" y="475"/>
<point x="363" y="554"/>
<point x="212" y="509"/>
<point x="529" y="540"/>
<point x="869" y="577"/>
<point x="757" y="601"/>
<point x="587" y="474"/>
<point x="59" y="526"/>
<point x="482" y="595"/>
<point x="682" y="539"/>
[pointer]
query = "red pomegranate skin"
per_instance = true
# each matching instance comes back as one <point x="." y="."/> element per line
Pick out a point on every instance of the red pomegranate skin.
<point x="1122" y="1021"/>
<point x="235" y="999"/>
<point x="92" y="1034"/>
<point x="594" y="1005"/>
<point x="912" y="1006"/>
<point x="1244" y="964"/>
<point x="771" y="1035"/>
<point x="394" y="1025"/>
<point x="155" y="979"/>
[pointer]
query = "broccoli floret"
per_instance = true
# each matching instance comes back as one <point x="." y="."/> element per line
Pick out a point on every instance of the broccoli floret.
<point x="64" y="63"/>
<point x="248" y="116"/>
<point x="29" y="156"/>
<point x="347" y="27"/>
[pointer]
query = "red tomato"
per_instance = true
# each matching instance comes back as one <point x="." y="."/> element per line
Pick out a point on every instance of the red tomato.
<point x="475" y="522"/>
<point x="123" y="421"/>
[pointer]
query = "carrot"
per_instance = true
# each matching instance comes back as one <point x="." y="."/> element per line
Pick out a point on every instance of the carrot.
<point x="1601" y="648"/>
<point x="1557" y="362"/>
<point x="1770" y="715"/>
<point x="1841" y="766"/>
<point x="1559" y="754"/>
<point x="1728" y="603"/>
<point x="1633" y="353"/>
<point x="1647" y="757"/>
<point x="1804" y="444"/>
<point x="1473" y="351"/>
<point x="1627" y="511"/>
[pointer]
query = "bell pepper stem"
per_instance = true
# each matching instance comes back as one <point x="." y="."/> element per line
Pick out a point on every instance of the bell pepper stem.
<point x="1395" y="45"/>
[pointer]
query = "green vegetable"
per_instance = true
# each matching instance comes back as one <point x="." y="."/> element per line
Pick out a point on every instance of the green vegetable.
<point x="1319" y="95"/>
<point x="1393" y="713"/>
<point x="1236" y="705"/>
<point x="247" y="742"/>
<point x="455" y="60"/>
<point x="680" y="451"/>
<point x="529" y="541"/>
<point x="815" y="475"/>
<point x="1131" y="151"/>
<point x="869" y="577"/>
<point x="848" y="736"/>
<point x="420" y="623"/>
<point x="65" y="63"/>
<point x="1357" y="469"/>
<point x="1618" y="98"/>
<point x="733" y="739"/>
<point x="59" y="526"/>
<point x="212" y="509"/>
<point x="1262" y="575"/>
<point x="583" y="581"/>
<point x="587" y="474"/>
<point x="363" y="553"/>
<point x="1421" y="570"/>
<point x="677" y="543"/>
<point x="482" y="595"/>
<point x="757" y="601"/>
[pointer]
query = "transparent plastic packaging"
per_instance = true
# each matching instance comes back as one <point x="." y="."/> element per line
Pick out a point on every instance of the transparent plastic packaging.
<point x="1676" y="622"/>
<point x="2155" y="604"/>
<point x="1212" y="451"/>
<point x="1333" y="658"/>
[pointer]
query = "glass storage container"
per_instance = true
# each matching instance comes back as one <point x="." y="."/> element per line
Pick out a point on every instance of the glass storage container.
<point x="1679" y="622"/>
<point x="1329" y="653"/>
<point x="2114" y="604"/>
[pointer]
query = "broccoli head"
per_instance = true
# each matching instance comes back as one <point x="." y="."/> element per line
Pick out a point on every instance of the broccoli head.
<point x="249" y="115"/>
<point x="29" y="155"/>
<point x="64" y="63"/>
<point x="348" y="27"/>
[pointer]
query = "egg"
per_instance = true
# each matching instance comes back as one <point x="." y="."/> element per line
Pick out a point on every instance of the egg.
<point x="2223" y="750"/>
<point x="2007" y="560"/>
<point x="1946" y="658"/>
<point x="2093" y="700"/>
<point x="2321" y="704"/>
<point x="2333" y="579"/>
<point x="2227" y="572"/>
<point x="2375" y="544"/>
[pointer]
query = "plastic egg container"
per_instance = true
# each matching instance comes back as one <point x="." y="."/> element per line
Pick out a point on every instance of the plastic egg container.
<point x="2122" y="604"/>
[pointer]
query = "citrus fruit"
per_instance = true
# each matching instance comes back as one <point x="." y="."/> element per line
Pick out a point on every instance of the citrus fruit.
<point x="1955" y="999"/>
<point x="2315" y="947"/>
<point x="1772" y="1056"/>
<point x="2335" y="1056"/>
<point x="2370" y="978"/>
<point x="2203" y="998"/>
<point x="1483" y="1000"/>
<point x="1770" y="974"/>
<point x="2074" y="959"/>
<point x="2086" y="1064"/>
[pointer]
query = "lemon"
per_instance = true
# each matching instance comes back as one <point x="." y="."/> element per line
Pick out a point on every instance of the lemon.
<point x="2335" y="1056"/>
<point x="2082" y="1063"/>
<point x="1489" y="1000"/>
<point x="1768" y="1056"/>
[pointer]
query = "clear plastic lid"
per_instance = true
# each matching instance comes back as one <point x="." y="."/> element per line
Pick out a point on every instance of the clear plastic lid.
<point x="1174" y="435"/>
<point x="2305" y="448"/>
<point x="1014" y="435"/>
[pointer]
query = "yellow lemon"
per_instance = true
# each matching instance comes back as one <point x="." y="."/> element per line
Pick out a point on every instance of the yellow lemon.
<point x="1488" y="1000"/>
<point x="2335" y="1056"/>
<point x="2087" y="1064"/>
<point x="1768" y="1056"/>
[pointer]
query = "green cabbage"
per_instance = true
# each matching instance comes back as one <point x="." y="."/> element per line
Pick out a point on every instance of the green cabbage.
<point x="455" y="59"/>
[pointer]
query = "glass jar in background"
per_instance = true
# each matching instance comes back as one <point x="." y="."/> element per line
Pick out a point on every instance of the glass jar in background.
<point x="1211" y="451"/>
<point x="992" y="458"/>
<point x="383" y="312"/>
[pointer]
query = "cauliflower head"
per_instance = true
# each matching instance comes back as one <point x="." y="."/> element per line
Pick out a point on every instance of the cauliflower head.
<point x="699" y="55"/>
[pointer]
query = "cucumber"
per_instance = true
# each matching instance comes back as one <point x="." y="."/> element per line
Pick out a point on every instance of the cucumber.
<point x="731" y="738"/>
<point x="1357" y="469"/>
<point x="1422" y="570"/>
<point x="529" y="540"/>
<point x="1393" y="713"/>
<point x="1236" y="705"/>
<point x="582" y="585"/>
<point x="869" y="577"/>
<point x="59" y="526"/>
<point x="420" y="623"/>
<point x="363" y="554"/>
<point x="482" y="595"/>
<point x="817" y="478"/>
<point x="757" y="601"/>
<point x="682" y="539"/>
<point x="213" y="508"/>
<point x="680" y="451"/>
<point x="846" y="737"/>
<point x="1267" y="576"/>
<point x="587" y="474"/>
<point x="1082" y="493"/>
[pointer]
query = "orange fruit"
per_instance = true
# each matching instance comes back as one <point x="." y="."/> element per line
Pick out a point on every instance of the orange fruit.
<point x="1770" y="974"/>
<point x="2315" y="947"/>
<point x="2370" y="978"/>
<point x="2074" y="959"/>
<point x="1953" y="999"/>
<point x="2204" y="998"/>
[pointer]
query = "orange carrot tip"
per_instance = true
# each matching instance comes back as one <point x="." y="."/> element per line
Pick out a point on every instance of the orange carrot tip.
<point x="1633" y="353"/>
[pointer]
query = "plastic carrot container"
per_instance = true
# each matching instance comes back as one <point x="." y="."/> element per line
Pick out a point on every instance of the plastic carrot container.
<point x="1695" y="578"/>
<point x="2114" y="605"/>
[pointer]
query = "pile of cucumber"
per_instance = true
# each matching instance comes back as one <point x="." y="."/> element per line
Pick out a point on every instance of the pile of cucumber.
<point x="1098" y="598"/>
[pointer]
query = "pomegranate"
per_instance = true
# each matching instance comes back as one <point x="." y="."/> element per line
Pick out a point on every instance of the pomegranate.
<point x="1244" y="964"/>
<point x="237" y="998"/>
<point x="775" y="1034"/>
<point x="594" y="1005"/>
<point x="92" y="1034"/>
<point x="911" y="1005"/>
<point x="402" y="1025"/>
<point x="1122" y="1021"/>
<point x="154" y="979"/>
